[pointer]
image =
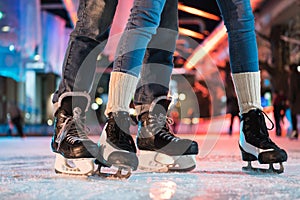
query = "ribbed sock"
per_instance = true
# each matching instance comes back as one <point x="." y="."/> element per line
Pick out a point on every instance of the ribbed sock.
<point x="121" y="90"/>
<point x="247" y="87"/>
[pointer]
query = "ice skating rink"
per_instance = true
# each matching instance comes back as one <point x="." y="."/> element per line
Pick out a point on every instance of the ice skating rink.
<point x="26" y="171"/>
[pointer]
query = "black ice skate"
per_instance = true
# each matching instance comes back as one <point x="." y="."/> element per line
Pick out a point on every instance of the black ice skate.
<point x="117" y="146"/>
<point x="255" y="143"/>
<point x="160" y="149"/>
<point x="75" y="152"/>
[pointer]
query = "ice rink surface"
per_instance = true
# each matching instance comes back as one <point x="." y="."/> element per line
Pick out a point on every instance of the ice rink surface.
<point x="26" y="171"/>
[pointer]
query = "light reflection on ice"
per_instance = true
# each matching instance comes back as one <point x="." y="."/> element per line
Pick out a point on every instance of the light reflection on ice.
<point x="162" y="190"/>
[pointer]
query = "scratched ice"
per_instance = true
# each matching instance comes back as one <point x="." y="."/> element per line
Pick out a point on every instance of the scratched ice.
<point x="26" y="171"/>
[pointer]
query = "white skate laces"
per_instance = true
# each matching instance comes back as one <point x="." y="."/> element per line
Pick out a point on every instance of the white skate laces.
<point x="161" y="125"/>
<point x="73" y="128"/>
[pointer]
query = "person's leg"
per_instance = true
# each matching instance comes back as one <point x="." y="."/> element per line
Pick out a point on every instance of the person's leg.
<point x="116" y="144"/>
<point x="152" y="104"/>
<point x="18" y="123"/>
<point x="294" y="125"/>
<point x="142" y="25"/>
<point x="277" y="119"/>
<point x="158" y="61"/>
<point x="86" y="41"/>
<point x="239" y="21"/>
<point x="231" y="123"/>
<point x="71" y="100"/>
<point x="254" y="142"/>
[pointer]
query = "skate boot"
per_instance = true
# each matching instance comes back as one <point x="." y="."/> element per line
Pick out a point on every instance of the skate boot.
<point x="160" y="149"/>
<point x="117" y="147"/>
<point x="255" y="143"/>
<point x="75" y="152"/>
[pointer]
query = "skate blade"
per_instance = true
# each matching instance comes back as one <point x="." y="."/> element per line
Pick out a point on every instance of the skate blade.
<point x="151" y="161"/>
<point x="183" y="163"/>
<point x="270" y="170"/>
<point x="114" y="172"/>
<point x="80" y="166"/>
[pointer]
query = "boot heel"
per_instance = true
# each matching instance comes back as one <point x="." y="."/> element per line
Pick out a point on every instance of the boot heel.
<point x="247" y="156"/>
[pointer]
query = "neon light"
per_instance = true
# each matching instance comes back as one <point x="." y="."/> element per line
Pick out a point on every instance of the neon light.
<point x="206" y="47"/>
<point x="197" y="12"/>
<point x="190" y="33"/>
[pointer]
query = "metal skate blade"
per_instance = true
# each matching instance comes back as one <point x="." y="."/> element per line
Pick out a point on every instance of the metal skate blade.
<point x="152" y="161"/>
<point x="114" y="172"/>
<point x="81" y="166"/>
<point x="256" y="170"/>
<point x="183" y="163"/>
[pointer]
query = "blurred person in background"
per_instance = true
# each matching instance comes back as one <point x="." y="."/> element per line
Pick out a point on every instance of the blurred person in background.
<point x="15" y="116"/>
<point x="279" y="108"/>
<point x="294" y="97"/>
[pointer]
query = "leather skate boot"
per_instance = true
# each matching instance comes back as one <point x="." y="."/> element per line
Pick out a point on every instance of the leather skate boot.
<point x="117" y="146"/>
<point x="255" y="143"/>
<point x="160" y="149"/>
<point x="70" y="141"/>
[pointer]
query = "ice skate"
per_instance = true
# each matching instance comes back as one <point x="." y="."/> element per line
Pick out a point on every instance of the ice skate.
<point x="160" y="149"/>
<point x="75" y="152"/>
<point x="255" y="144"/>
<point x="117" y="147"/>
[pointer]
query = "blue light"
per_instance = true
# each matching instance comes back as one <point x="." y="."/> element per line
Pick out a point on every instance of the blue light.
<point x="1" y="15"/>
<point x="11" y="47"/>
<point x="267" y="83"/>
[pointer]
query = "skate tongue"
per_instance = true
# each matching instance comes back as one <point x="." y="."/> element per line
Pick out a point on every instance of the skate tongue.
<point x="122" y="119"/>
<point x="77" y="113"/>
<point x="159" y="106"/>
<point x="71" y="103"/>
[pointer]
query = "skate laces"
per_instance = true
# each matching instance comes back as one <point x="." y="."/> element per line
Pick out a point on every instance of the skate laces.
<point x="73" y="128"/>
<point x="265" y="114"/>
<point x="255" y="125"/>
<point x="160" y="124"/>
<point x="265" y="128"/>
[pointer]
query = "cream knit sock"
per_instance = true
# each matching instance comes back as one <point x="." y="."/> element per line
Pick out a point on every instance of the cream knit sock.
<point x="247" y="87"/>
<point x="121" y="90"/>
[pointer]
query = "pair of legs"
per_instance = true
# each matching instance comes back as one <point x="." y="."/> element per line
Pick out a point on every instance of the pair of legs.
<point x="239" y="21"/>
<point x="146" y="51"/>
<point x="71" y="100"/>
<point x="150" y="94"/>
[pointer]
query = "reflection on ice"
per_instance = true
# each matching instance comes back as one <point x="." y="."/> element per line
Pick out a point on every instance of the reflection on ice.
<point x="162" y="190"/>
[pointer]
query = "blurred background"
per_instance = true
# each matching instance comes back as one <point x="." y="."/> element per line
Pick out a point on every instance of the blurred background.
<point x="34" y="36"/>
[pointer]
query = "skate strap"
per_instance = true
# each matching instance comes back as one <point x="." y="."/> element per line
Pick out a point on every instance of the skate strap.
<point x="268" y="119"/>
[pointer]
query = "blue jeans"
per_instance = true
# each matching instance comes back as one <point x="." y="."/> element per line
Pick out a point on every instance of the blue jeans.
<point x="92" y="30"/>
<point x="143" y="28"/>
<point x="147" y="46"/>
<point x="239" y="21"/>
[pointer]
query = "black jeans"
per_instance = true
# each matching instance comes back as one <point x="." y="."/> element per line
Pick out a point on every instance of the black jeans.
<point x="89" y="37"/>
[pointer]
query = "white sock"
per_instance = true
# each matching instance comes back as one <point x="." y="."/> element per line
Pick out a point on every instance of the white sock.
<point x="121" y="90"/>
<point x="247" y="87"/>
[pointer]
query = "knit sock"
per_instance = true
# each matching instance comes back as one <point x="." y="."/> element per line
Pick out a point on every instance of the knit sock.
<point x="247" y="87"/>
<point x="121" y="90"/>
